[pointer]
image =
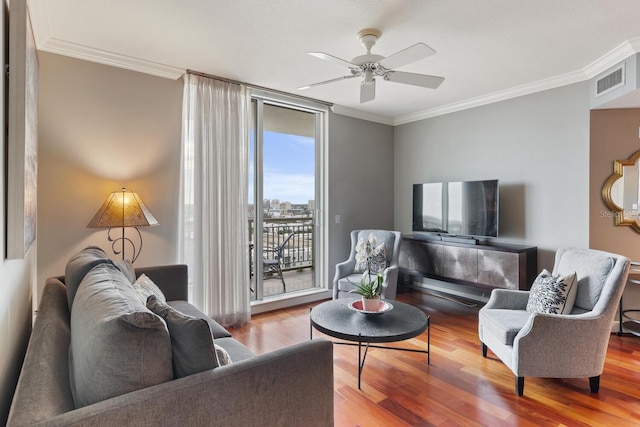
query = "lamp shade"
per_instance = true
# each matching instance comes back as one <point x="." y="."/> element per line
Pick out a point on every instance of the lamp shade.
<point x="123" y="209"/>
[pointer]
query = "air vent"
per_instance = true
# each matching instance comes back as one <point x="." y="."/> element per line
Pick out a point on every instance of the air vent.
<point x="610" y="82"/>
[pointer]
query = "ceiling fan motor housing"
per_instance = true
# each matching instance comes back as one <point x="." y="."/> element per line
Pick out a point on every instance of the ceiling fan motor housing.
<point x="368" y="37"/>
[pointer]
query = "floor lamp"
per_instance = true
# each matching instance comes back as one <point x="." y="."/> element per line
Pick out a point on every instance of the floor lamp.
<point x="123" y="209"/>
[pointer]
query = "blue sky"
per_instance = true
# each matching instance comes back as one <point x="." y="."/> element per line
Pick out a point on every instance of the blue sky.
<point x="289" y="164"/>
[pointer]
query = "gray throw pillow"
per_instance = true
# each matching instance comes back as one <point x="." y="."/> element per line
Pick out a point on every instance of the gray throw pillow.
<point x="191" y="340"/>
<point x="79" y="265"/>
<point x="127" y="269"/>
<point x="117" y="344"/>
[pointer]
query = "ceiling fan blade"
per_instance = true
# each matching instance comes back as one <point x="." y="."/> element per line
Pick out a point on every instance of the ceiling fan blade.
<point x="423" y="80"/>
<point x="407" y="56"/>
<point x="333" y="59"/>
<point x="326" y="82"/>
<point x="367" y="91"/>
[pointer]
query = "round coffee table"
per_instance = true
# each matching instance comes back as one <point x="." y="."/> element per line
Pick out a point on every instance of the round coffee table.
<point x="404" y="321"/>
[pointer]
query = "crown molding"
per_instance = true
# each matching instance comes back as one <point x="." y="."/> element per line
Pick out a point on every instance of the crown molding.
<point x="359" y="114"/>
<point x="612" y="58"/>
<point x="515" y="92"/>
<point x="86" y="53"/>
<point x="608" y="60"/>
<point x="39" y="14"/>
<point x="46" y="43"/>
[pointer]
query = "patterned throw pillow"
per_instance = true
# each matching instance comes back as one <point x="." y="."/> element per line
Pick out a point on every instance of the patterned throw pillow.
<point x="370" y="256"/>
<point x="552" y="294"/>
<point x="379" y="259"/>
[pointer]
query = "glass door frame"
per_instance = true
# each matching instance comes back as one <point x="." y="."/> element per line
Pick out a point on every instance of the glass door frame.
<point x="321" y="233"/>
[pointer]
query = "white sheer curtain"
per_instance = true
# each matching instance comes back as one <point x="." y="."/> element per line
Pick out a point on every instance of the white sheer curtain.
<point x="213" y="229"/>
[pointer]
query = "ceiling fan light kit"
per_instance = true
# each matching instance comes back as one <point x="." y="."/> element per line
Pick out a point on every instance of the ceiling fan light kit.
<point x="369" y="66"/>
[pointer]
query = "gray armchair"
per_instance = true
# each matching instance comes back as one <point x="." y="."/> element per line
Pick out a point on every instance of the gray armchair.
<point x="558" y="345"/>
<point x="345" y="270"/>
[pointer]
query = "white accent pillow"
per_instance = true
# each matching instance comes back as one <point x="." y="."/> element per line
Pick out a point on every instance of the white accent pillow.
<point x="553" y="294"/>
<point x="223" y="355"/>
<point x="145" y="287"/>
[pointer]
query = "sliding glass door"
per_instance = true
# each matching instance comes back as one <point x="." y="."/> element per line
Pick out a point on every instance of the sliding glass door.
<point x="283" y="199"/>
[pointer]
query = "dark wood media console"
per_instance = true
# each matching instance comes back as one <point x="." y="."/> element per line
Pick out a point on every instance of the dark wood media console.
<point x="483" y="265"/>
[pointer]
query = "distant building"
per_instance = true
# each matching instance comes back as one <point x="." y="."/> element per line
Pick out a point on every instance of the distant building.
<point x="285" y="206"/>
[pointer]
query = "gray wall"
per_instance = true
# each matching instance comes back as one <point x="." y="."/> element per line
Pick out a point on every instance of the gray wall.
<point x="16" y="278"/>
<point x="103" y="128"/>
<point x="536" y="145"/>
<point x="361" y="177"/>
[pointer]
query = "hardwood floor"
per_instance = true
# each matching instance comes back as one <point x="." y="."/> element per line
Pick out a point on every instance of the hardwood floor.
<point x="459" y="387"/>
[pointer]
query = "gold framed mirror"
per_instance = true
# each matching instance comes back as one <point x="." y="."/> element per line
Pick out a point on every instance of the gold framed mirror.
<point x="621" y="192"/>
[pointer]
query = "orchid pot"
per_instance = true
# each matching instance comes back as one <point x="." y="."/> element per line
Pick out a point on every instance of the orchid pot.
<point x="369" y="289"/>
<point x="371" y="304"/>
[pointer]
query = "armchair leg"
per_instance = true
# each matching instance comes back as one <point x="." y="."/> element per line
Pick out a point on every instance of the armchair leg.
<point x="520" y="385"/>
<point x="484" y="350"/>
<point x="594" y="383"/>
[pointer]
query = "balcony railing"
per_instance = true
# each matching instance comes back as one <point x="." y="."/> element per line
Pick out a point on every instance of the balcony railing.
<point x="298" y="253"/>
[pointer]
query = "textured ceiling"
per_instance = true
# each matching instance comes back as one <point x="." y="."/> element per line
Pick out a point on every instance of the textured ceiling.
<point x="486" y="49"/>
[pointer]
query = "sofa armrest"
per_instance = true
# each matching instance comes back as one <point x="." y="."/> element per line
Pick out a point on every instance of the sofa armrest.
<point x="43" y="389"/>
<point x="343" y="269"/>
<point x="390" y="282"/>
<point x="507" y="299"/>
<point x="290" y="386"/>
<point x="172" y="280"/>
<point x="579" y="343"/>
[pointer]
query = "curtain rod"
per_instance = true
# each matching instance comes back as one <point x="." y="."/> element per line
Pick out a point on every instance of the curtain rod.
<point x="252" y="86"/>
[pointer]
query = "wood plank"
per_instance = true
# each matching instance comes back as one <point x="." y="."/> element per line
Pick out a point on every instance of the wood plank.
<point x="459" y="387"/>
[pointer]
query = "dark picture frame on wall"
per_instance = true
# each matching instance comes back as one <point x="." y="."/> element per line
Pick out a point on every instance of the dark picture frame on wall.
<point x="22" y="141"/>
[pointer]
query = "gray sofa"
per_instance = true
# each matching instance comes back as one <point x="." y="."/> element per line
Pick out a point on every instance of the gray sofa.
<point x="291" y="386"/>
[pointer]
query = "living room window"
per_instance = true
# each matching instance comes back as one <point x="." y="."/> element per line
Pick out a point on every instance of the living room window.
<point x="286" y="198"/>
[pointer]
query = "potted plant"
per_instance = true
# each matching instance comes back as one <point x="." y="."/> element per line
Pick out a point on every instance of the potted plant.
<point x="369" y="289"/>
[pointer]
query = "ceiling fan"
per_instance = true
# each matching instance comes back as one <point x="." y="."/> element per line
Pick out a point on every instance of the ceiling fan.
<point x="371" y="66"/>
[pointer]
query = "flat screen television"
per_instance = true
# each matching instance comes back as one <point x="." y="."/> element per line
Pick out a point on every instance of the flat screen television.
<point x="467" y="208"/>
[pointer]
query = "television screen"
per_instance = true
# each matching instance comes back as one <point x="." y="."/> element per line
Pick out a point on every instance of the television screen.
<point x="428" y="207"/>
<point x="467" y="208"/>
